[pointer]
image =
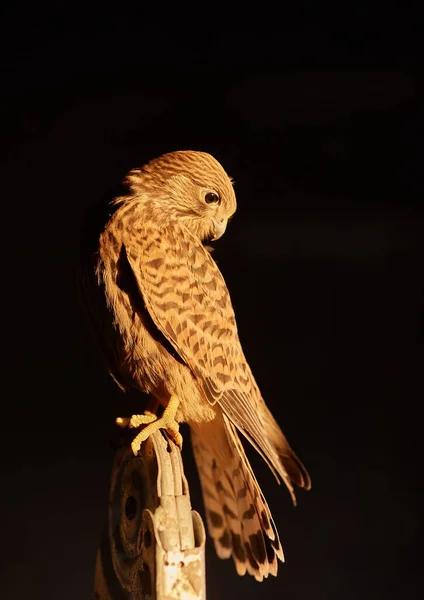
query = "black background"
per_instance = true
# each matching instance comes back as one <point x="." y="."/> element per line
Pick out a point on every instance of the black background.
<point x="318" y="118"/>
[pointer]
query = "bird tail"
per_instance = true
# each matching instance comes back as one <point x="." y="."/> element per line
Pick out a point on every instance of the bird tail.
<point x="238" y="517"/>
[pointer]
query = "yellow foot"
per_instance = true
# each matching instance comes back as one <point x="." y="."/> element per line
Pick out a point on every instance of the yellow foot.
<point x="153" y="423"/>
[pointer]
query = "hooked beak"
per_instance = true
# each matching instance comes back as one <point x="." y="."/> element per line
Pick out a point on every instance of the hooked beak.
<point x="219" y="228"/>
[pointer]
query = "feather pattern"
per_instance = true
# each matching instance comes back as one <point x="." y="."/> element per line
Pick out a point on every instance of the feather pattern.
<point x="191" y="306"/>
<point x="238" y="517"/>
<point x="163" y="319"/>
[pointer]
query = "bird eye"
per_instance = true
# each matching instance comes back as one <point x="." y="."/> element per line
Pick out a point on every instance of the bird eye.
<point x="212" y="198"/>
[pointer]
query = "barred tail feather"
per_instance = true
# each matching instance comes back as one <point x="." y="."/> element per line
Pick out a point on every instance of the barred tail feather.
<point x="238" y="517"/>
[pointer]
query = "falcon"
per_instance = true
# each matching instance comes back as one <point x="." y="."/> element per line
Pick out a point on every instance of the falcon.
<point x="163" y="318"/>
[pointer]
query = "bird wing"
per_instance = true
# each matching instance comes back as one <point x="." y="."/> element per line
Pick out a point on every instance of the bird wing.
<point x="188" y="300"/>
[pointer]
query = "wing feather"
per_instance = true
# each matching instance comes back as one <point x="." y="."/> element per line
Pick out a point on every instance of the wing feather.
<point x="188" y="300"/>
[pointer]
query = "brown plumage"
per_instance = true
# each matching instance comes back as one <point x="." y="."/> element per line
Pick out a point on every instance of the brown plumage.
<point x="164" y="321"/>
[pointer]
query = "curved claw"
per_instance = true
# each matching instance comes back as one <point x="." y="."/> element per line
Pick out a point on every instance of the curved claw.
<point x="153" y="423"/>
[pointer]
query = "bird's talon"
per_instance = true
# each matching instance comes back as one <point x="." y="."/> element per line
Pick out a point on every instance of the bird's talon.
<point x="122" y="422"/>
<point x="176" y="437"/>
<point x="145" y="419"/>
<point x="153" y="423"/>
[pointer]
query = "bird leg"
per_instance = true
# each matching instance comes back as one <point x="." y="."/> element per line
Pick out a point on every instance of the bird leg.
<point x="153" y="423"/>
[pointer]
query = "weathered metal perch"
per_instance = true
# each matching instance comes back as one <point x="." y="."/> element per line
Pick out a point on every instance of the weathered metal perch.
<point x="153" y="546"/>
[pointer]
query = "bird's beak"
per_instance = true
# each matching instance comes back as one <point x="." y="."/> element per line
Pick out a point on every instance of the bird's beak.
<point x="219" y="229"/>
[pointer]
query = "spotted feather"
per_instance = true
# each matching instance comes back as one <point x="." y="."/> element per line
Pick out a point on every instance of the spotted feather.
<point x="164" y="321"/>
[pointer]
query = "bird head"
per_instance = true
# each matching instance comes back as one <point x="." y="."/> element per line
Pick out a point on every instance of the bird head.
<point x="188" y="186"/>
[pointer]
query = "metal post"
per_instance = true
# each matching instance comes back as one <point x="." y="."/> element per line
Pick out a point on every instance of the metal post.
<point x="153" y="546"/>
